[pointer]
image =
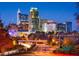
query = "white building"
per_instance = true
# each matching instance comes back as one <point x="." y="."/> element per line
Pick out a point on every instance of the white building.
<point x="49" y="26"/>
<point x="18" y="19"/>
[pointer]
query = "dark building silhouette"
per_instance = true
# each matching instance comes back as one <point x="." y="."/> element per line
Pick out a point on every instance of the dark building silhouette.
<point x="68" y="26"/>
<point x="61" y="27"/>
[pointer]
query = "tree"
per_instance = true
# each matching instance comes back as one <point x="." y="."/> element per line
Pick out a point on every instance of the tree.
<point x="67" y="45"/>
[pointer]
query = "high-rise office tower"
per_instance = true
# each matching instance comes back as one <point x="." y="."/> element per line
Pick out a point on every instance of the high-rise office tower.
<point x="18" y="18"/>
<point x="68" y="26"/>
<point x="34" y="19"/>
<point x="22" y="21"/>
<point x="61" y="27"/>
<point x="21" y="17"/>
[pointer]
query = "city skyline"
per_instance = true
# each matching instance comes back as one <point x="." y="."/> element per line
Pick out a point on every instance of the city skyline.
<point x="57" y="11"/>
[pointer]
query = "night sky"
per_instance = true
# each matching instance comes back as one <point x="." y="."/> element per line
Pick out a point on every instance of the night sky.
<point x="57" y="11"/>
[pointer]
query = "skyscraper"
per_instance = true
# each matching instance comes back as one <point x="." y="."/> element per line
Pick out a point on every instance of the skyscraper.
<point x="18" y="19"/>
<point x="68" y="26"/>
<point x="21" y="17"/>
<point x="61" y="27"/>
<point x="34" y="16"/>
<point x="22" y="21"/>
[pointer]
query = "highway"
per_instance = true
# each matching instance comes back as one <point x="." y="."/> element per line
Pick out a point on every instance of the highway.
<point x="43" y="50"/>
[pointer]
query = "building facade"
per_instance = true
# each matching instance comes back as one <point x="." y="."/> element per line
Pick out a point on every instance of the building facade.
<point x="34" y="19"/>
<point x="68" y="26"/>
<point x="49" y="26"/>
<point x="61" y="27"/>
<point x="22" y="21"/>
<point x="24" y="26"/>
